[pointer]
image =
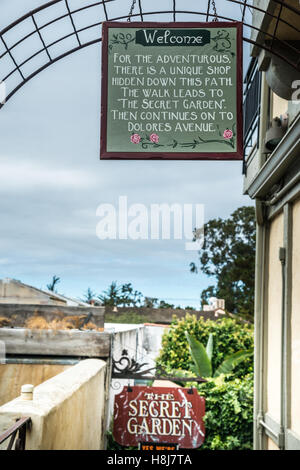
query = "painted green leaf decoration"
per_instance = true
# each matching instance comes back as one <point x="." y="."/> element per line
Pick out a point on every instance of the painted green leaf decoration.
<point x="232" y="361"/>
<point x="199" y="356"/>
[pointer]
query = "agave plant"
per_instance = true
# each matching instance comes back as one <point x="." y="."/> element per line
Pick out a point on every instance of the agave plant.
<point x="202" y="358"/>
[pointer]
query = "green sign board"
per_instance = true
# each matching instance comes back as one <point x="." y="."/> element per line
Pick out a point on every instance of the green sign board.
<point x="171" y="91"/>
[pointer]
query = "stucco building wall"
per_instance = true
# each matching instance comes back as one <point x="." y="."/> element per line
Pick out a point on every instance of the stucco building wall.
<point x="274" y="317"/>
<point x="295" y="323"/>
<point x="67" y="411"/>
<point x="13" y="376"/>
<point x="272" y="179"/>
<point x="12" y="291"/>
<point x="271" y="445"/>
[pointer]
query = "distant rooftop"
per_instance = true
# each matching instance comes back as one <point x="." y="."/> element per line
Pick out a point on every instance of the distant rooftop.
<point x="15" y="291"/>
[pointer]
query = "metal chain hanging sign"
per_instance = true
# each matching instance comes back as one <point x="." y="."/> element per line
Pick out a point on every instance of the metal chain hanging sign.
<point x="172" y="91"/>
<point x="165" y="416"/>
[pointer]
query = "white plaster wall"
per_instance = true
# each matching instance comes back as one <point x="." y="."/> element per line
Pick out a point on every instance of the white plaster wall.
<point x="274" y="318"/>
<point x="153" y="340"/>
<point x="13" y="376"/>
<point x="142" y="342"/>
<point x="295" y="323"/>
<point x="127" y="337"/>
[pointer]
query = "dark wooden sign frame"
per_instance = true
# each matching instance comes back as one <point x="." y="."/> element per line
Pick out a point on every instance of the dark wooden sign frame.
<point x="106" y="155"/>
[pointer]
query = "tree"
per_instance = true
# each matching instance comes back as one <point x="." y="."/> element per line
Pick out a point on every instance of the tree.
<point x="51" y="286"/>
<point x="129" y="296"/>
<point x="123" y="295"/>
<point x="163" y="304"/>
<point x="228" y="254"/>
<point x="111" y="296"/>
<point x="89" y="296"/>
<point x="150" y="302"/>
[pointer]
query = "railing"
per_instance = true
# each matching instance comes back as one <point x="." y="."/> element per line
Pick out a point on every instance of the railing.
<point x="19" y="428"/>
<point x="251" y="108"/>
<point x="127" y="367"/>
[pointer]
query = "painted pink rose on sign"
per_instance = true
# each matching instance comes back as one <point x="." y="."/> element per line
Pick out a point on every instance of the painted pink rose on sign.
<point x="154" y="138"/>
<point x="135" y="138"/>
<point x="227" y="134"/>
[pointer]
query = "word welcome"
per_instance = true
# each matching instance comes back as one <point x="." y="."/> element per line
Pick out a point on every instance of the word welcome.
<point x="166" y="37"/>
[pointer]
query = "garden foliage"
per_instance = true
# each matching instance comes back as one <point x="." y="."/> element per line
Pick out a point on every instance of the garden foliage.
<point x="229" y="413"/>
<point x="229" y="336"/>
<point x="229" y="398"/>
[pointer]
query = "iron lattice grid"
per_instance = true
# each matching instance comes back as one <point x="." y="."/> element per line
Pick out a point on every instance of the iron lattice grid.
<point x="19" y="64"/>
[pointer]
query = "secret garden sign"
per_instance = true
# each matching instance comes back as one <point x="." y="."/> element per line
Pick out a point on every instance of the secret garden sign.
<point x="171" y="91"/>
<point x="159" y="415"/>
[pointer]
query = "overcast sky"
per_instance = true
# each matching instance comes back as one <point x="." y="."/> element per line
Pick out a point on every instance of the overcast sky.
<point x="52" y="181"/>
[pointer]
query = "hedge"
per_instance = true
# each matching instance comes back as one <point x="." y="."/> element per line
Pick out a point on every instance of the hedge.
<point x="229" y="414"/>
<point x="229" y="336"/>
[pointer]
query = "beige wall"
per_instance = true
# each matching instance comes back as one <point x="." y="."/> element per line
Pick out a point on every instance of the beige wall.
<point x="295" y="323"/>
<point x="271" y="445"/>
<point x="274" y="318"/>
<point x="279" y="106"/>
<point x="16" y="292"/>
<point x="13" y="376"/>
<point x="67" y="411"/>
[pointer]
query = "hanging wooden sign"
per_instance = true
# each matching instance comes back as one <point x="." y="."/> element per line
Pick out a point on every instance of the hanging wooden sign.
<point x="159" y="415"/>
<point x="171" y="91"/>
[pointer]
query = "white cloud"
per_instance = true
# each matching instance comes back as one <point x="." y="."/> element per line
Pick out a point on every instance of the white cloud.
<point x="20" y="174"/>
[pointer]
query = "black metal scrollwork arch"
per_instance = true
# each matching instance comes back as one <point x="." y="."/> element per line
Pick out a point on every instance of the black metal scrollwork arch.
<point x="16" y="55"/>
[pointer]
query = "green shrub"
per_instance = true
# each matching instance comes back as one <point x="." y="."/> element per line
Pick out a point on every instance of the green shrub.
<point x="229" y="336"/>
<point x="228" y="413"/>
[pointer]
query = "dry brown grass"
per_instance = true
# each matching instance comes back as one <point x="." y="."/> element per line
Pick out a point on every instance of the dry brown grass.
<point x="67" y="323"/>
<point x="75" y="320"/>
<point x="4" y="321"/>
<point x="59" y="322"/>
<point x="92" y="326"/>
<point x="36" y="323"/>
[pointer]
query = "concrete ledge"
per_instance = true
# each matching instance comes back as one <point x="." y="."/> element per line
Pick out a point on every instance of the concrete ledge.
<point x="67" y="411"/>
<point x="285" y="155"/>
